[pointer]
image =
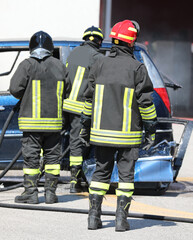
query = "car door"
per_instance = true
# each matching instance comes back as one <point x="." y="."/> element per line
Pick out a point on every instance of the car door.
<point x="11" y="54"/>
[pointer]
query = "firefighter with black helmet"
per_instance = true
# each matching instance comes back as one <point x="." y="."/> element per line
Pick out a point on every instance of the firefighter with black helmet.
<point x="119" y="103"/>
<point x="40" y="83"/>
<point x="78" y="65"/>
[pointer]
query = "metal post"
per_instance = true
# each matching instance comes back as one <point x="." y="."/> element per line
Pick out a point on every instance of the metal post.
<point x="108" y="18"/>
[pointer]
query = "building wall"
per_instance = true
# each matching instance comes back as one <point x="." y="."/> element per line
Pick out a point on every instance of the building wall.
<point x="60" y="18"/>
<point x="167" y="30"/>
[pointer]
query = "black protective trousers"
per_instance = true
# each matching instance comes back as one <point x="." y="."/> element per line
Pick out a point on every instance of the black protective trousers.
<point x="125" y="158"/>
<point x="33" y="142"/>
<point x="76" y="146"/>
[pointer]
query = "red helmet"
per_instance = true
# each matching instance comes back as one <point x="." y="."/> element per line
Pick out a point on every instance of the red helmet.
<point x="125" y="31"/>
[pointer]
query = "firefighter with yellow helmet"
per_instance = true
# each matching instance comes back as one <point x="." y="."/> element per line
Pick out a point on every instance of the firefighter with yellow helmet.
<point x="119" y="103"/>
<point x="78" y="66"/>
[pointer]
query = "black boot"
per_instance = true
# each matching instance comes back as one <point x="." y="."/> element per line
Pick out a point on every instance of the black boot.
<point x="123" y="204"/>
<point x="50" y="188"/>
<point x="30" y="194"/>
<point x="75" y="182"/>
<point x="94" y="213"/>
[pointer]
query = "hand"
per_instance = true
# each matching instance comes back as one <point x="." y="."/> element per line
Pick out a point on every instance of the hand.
<point x="85" y="136"/>
<point x="148" y="141"/>
<point x="150" y="129"/>
<point x="85" y="120"/>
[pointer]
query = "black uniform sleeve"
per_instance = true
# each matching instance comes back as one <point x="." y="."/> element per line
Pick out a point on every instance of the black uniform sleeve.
<point x="144" y="90"/>
<point x="20" y="79"/>
<point x="88" y="94"/>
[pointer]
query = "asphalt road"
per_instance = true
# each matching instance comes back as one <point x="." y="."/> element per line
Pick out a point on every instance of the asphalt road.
<point x="177" y="202"/>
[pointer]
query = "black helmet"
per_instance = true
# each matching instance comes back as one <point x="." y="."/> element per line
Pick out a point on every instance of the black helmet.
<point x="93" y="34"/>
<point x="41" y="40"/>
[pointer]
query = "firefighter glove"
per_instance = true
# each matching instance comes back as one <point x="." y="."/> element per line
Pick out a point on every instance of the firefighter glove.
<point x="85" y="136"/>
<point x="150" y="130"/>
<point x="85" y="120"/>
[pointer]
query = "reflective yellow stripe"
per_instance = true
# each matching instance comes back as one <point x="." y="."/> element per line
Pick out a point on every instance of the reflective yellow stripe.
<point x="125" y="37"/>
<point x="77" y="83"/>
<point x="76" y="160"/>
<point x="52" y="169"/>
<point x="52" y="166"/>
<point x="30" y="171"/>
<point x="36" y="98"/>
<point x="43" y="120"/>
<point x="132" y="29"/>
<point x="88" y="104"/>
<point x="148" y="113"/>
<point x="113" y="133"/>
<point x="60" y="87"/>
<point x="116" y="141"/>
<point x="42" y="153"/>
<point x="119" y="193"/>
<point x="99" y="90"/>
<point x="147" y="109"/>
<point x="149" y="116"/>
<point x="41" y="127"/>
<point x="40" y="123"/>
<point x="124" y="185"/>
<point x="153" y="137"/>
<point x="73" y="105"/>
<point x="99" y="185"/>
<point x="66" y="64"/>
<point x="127" y="103"/>
<point x="113" y="33"/>
<point x="101" y="192"/>
<point x="87" y="110"/>
<point x="93" y="33"/>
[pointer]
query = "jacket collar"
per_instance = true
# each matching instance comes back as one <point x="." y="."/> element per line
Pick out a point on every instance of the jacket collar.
<point x="91" y="43"/>
<point x="40" y="53"/>
<point x="121" y="50"/>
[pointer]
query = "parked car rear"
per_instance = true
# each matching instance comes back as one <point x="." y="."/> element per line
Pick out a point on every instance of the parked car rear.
<point x="13" y="52"/>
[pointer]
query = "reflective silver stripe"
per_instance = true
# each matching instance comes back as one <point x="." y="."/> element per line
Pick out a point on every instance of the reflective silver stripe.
<point x="40" y="120"/>
<point x="148" y="113"/>
<point x="40" y="123"/>
<point x="109" y="133"/>
<point x="77" y="83"/>
<point x="109" y="140"/>
<point x="73" y="105"/>
<point x="22" y="127"/>
<point x="127" y="104"/>
<point x="36" y="98"/>
<point x="60" y="87"/>
<point x="99" y="90"/>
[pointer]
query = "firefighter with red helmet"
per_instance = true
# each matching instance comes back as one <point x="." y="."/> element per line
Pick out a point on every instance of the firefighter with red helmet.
<point x="78" y="65"/>
<point x="119" y="103"/>
<point x="40" y="83"/>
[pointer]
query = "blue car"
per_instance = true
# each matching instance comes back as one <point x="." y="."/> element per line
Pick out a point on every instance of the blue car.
<point x="154" y="169"/>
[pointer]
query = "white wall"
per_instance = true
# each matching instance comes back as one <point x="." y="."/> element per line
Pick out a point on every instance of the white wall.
<point x="59" y="18"/>
<point x="64" y="19"/>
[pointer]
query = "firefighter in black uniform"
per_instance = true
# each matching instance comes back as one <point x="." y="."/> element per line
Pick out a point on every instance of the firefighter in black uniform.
<point x="78" y="66"/>
<point x="40" y="83"/>
<point x="120" y="102"/>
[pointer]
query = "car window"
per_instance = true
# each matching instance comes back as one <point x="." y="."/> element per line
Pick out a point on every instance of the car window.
<point x="9" y="61"/>
<point x="152" y="71"/>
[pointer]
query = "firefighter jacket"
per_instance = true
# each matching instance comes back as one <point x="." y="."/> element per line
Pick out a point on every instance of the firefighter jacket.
<point x="78" y="66"/>
<point x="119" y="99"/>
<point x="40" y="84"/>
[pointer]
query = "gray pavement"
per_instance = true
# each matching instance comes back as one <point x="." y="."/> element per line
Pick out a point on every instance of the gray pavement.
<point x="176" y="202"/>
